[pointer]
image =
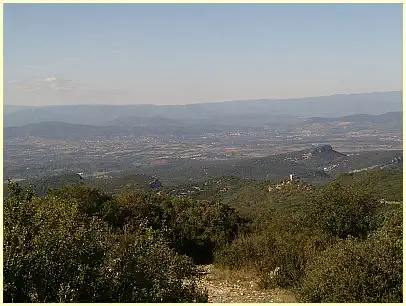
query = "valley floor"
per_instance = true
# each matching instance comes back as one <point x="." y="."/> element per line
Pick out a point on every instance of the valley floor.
<point x="225" y="286"/>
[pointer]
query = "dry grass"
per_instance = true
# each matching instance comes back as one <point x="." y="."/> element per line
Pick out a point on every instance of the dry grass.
<point x="227" y="286"/>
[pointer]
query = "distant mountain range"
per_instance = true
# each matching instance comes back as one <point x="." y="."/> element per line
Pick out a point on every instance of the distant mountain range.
<point x="63" y="131"/>
<point x="231" y="112"/>
<point x="390" y="120"/>
<point x="137" y="126"/>
<point x="68" y="131"/>
<point x="382" y="118"/>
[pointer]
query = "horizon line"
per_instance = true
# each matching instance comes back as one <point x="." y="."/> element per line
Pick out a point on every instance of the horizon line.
<point x="214" y="102"/>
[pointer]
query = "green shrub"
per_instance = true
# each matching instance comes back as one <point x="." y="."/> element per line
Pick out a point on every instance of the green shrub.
<point x="285" y="244"/>
<point x="383" y="184"/>
<point x="355" y="270"/>
<point x="193" y="228"/>
<point x="90" y="201"/>
<point x="344" y="211"/>
<point x="290" y="254"/>
<point x="140" y="267"/>
<point x="248" y="250"/>
<point x="53" y="252"/>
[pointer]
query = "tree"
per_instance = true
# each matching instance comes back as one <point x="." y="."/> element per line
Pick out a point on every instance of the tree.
<point x="53" y="252"/>
<point x="344" y="211"/>
<point x="356" y="270"/>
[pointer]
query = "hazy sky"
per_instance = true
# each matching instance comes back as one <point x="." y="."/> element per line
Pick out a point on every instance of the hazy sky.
<point x="188" y="53"/>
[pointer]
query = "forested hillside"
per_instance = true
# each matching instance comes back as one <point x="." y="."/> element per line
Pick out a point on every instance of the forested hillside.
<point x="338" y="242"/>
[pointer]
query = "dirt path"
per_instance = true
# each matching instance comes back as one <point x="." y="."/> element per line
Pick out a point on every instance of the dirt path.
<point x="226" y="286"/>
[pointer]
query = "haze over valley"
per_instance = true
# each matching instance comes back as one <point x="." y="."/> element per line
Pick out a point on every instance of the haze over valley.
<point x="100" y="138"/>
<point x="192" y="153"/>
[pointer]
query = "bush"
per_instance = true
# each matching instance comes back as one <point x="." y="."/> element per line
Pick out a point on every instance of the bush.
<point x="246" y="251"/>
<point x="55" y="253"/>
<point x="51" y="252"/>
<point x="285" y="245"/>
<point x="285" y="267"/>
<point x="140" y="267"/>
<point x="193" y="228"/>
<point x="343" y="211"/>
<point x="90" y="201"/>
<point x="355" y="270"/>
<point x="383" y="184"/>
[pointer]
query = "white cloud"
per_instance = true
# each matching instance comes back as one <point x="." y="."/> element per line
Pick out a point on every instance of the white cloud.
<point x="26" y="87"/>
<point x="57" y="84"/>
<point x="54" y="88"/>
<point x="50" y="79"/>
<point x="21" y="85"/>
<point x="61" y="85"/>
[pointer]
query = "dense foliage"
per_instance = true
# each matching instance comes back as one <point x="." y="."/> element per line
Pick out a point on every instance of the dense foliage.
<point x="355" y="270"/>
<point x="382" y="184"/>
<point x="344" y="211"/>
<point x="338" y="242"/>
<point x="193" y="228"/>
<point x="57" y="249"/>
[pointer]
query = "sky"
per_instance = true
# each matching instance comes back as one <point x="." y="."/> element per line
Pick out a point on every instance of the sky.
<point x="193" y="53"/>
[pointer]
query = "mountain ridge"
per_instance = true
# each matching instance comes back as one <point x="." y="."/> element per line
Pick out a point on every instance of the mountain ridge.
<point x="225" y="101"/>
<point x="335" y="105"/>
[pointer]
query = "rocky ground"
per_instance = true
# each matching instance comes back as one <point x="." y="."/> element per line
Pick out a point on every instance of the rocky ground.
<point x="226" y="286"/>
